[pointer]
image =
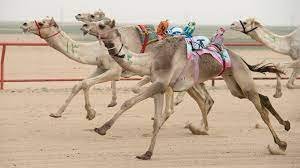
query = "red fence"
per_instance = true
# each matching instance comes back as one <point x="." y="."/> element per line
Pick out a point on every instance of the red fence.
<point x="4" y="45"/>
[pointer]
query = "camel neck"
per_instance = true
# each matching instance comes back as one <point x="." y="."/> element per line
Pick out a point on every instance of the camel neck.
<point x="275" y="42"/>
<point x="70" y="48"/>
<point x="128" y="60"/>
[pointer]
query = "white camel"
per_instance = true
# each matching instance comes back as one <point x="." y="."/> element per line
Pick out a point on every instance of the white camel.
<point x="286" y="44"/>
<point x="86" y="53"/>
<point x="168" y="67"/>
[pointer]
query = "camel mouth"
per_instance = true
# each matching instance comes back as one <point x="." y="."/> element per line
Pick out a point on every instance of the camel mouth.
<point x="25" y="29"/>
<point x="235" y="27"/>
<point x="84" y="31"/>
<point x="78" y="18"/>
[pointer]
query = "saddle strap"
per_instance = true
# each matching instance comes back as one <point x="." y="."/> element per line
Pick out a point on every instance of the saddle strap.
<point x="146" y="39"/>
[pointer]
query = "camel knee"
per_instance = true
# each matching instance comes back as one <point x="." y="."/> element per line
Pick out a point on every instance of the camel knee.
<point x="127" y="104"/>
<point x="237" y="94"/>
<point x="250" y="94"/>
<point x="84" y="85"/>
<point x="77" y="87"/>
<point x="162" y="87"/>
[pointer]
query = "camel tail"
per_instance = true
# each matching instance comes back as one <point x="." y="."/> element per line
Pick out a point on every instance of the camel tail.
<point x="263" y="68"/>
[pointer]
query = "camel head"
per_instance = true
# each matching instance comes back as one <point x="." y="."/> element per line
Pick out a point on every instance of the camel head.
<point x="90" y="17"/>
<point x="245" y="26"/>
<point x="103" y="29"/>
<point x="44" y="28"/>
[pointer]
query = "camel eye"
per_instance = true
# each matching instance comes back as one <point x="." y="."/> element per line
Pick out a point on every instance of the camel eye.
<point x="244" y="23"/>
<point x="40" y="24"/>
<point x="92" y="16"/>
<point x="101" y="26"/>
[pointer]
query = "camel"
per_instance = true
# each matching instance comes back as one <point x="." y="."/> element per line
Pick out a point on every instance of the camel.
<point x="91" y="17"/>
<point x="132" y="41"/>
<point x="168" y="67"/>
<point x="107" y="69"/>
<point x="287" y="44"/>
<point x="85" y="53"/>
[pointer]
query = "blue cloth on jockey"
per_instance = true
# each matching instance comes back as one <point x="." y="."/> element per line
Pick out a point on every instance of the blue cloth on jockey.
<point x="174" y="31"/>
<point x="196" y="43"/>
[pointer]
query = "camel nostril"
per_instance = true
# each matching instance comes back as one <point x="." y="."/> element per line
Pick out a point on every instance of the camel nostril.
<point x="25" y="24"/>
<point x="232" y="24"/>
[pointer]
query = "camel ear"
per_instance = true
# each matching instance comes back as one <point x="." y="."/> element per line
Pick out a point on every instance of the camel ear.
<point x="53" y="22"/>
<point x="112" y="24"/>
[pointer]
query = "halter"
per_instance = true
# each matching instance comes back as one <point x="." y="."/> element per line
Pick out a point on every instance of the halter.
<point x="244" y="28"/>
<point x="40" y="28"/>
<point x="105" y="39"/>
<point x="117" y="55"/>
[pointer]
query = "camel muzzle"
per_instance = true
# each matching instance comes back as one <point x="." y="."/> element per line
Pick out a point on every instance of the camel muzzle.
<point x="24" y="27"/>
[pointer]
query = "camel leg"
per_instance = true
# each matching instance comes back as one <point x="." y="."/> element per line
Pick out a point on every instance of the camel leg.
<point x="203" y="93"/>
<point x="76" y="88"/>
<point x="113" y="101"/>
<point x="244" y="85"/>
<point x="157" y="124"/>
<point x="153" y="89"/>
<point x="292" y="79"/>
<point x="278" y="92"/>
<point x="266" y="103"/>
<point x="205" y="102"/>
<point x="179" y="98"/>
<point x="112" y="74"/>
<point x="169" y="108"/>
<point x="254" y="98"/>
<point x="137" y="88"/>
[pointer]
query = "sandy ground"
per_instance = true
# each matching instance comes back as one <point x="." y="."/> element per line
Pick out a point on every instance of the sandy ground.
<point x="31" y="139"/>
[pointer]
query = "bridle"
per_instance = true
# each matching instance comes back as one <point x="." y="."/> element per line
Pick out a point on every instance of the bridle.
<point x="109" y="49"/>
<point x="244" y="28"/>
<point x="40" y="28"/>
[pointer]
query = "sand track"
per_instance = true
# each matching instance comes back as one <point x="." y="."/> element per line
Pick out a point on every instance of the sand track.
<point x="29" y="138"/>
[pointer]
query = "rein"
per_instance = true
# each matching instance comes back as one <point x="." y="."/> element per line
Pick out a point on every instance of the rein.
<point x="244" y="28"/>
<point x="40" y="28"/>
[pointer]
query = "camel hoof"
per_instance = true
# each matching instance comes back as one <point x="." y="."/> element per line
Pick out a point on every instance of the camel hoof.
<point x="275" y="151"/>
<point x="55" y="115"/>
<point x="102" y="130"/>
<point x="112" y="104"/>
<point x="282" y="145"/>
<point x="277" y="95"/>
<point x="289" y="86"/>
<point x="146" y="156"/>
<point x="91" y="114"/>
<point x="287" y="125"/>
<point x="195" y="131"/>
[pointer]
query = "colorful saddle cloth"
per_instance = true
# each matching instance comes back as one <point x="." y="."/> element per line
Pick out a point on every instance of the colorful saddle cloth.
<point x="147" y="30"/>
<point x="199" y="45"/>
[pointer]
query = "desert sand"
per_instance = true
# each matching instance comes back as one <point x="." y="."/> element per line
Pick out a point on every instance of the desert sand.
<point x="31" y="139"/>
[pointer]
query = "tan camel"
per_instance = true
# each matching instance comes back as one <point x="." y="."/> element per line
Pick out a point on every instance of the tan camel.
<point x="85" y="53"/>
<point x="168" y="67"/>
<point x="132" y="41"/>
<point x="287" y="44"/>
<point x="107" y="69"/>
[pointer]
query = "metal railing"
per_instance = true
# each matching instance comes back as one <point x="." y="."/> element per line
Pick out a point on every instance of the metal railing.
<point x="6" y="44"/>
